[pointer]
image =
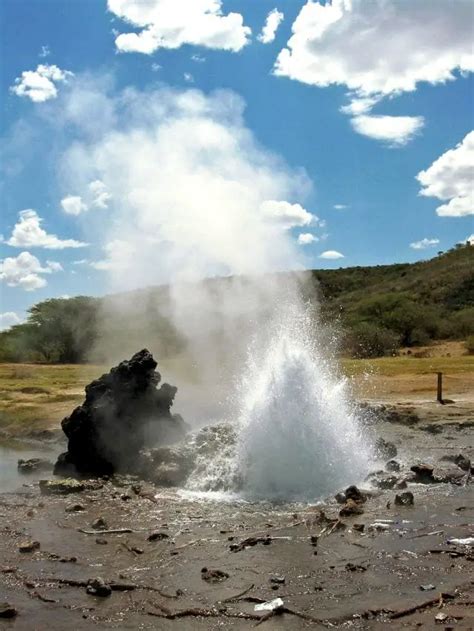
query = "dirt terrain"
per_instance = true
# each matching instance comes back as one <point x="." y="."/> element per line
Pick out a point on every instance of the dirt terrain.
<point x="210" y="563"/>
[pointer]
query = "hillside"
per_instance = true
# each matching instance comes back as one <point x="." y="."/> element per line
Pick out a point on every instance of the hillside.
<point x="376" y="310"/>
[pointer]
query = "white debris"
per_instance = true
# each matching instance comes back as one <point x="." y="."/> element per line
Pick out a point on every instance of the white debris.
<point x="468" y="541"/>
<point x="270" y="605"/>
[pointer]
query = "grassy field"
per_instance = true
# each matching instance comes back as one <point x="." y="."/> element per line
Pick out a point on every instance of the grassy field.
<point x="36" y="396"/>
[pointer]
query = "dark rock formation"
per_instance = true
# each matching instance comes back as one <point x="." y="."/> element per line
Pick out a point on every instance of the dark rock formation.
<point x="123" y="410"/>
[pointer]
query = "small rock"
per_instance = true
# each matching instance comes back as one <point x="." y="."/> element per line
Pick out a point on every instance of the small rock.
<point x="158" y="536"/>
<point x="352" y="567"/>
<point x="278" y="580"/>
<point x="401" y="484"/>
<point x="125" y="497"/>
<point x="7" y="611"/>
<point x="29" y="546"/>
<point x="358" y="527"/>
<point x="351" y="508"/>
<point x="30" y="513"/>
<point x="61" y="487"/>
<point x="386" y="481"/>
<point x="314" y="540"/>
<point x="423" y="473"/>
<point x="74" y="508"/>
<point x="340" y="498"/>
<point x="213" y="576"/>
<point x="441" y="617"/>
<point x="385" y="448"/>
<point x="101" y="541"/>
<point x="99" y="524"/>
<point x="33" y="465"/>
<point x="461" y="461"/>
<point x="98" y="587"/>
<point x="353" y="493"/>
<point x="427" y="588"/>
<point x="404" y="499"/>
<point x="393" y="465"/>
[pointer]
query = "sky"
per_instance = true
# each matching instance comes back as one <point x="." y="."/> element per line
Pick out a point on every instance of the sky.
<point x="141" y="140"/>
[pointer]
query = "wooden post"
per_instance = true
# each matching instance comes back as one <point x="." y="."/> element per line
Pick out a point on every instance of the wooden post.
<point x="439" y="397"/>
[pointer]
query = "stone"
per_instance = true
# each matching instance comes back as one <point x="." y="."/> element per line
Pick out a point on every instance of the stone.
<point x="353" y="493"/>
<point x="74" y="508"/>
<point x="213" y="576"/>
<point x="29" y="546"/>
<point x="98" y="587"/>
<point x="123" y="411"/>
<point x="7" y="611"/>
<point x="278" y="580"/>
<point x="385" y="448"/>
<point x="158" y="536"/>
<point x="351" y="508"/>
<point x="385" y="481"/>
<point x="61" y="487"/>
<point x="33" y="465"/>
<point x="423" y="473"/>
<point x="393" y="466"/>
<point x="99" y="524"/>
<point x="459" y="460"/>
<point x="404" y="499"/>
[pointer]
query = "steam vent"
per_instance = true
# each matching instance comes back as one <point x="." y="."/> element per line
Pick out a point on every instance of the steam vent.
<point x="123" y="410"/>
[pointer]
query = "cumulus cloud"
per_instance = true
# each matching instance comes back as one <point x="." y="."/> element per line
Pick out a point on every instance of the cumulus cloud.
<point x="40" y="85"/>
<point x="423" y="244"/>
<point x="331" y="254"/>
<point x="340" y="206"/>
<point x="97" y="196"/>
<point x="28" y="233"/>
<point x="379" y="49"/>
<point x="382" y="47"/>
<point x="25" y="271"/>
<point x="450" y="178"/>
<point x="395" y="130"/>
<point x="172" y="23"/>
<point x="273" y="21"/>
<point x="191" y="186"/>
<point x="73" y="205"/>
<point x="8" y="319"/>
<point x="306" y="238"/>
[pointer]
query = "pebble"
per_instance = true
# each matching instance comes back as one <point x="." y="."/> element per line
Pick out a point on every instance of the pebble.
<point x="29" y="546"/>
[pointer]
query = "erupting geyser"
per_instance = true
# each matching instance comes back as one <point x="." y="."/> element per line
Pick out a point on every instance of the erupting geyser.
<point x="298" y="436"/>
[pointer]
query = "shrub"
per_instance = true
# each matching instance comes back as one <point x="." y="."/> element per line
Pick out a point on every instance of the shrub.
<point x="469" y="343"/>
<point x="367" y="340"/>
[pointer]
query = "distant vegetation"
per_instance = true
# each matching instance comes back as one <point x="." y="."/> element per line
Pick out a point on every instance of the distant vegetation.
<point x="377" y="310"/>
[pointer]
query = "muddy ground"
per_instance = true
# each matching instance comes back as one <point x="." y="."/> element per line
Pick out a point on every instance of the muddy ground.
<point x="400" y="574"/>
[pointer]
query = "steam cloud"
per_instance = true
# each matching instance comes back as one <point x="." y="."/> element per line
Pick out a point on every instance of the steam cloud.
<point x="194" y="195"/>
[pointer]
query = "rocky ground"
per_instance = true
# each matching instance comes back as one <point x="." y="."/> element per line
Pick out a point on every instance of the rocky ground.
<point x="123" y="554"/>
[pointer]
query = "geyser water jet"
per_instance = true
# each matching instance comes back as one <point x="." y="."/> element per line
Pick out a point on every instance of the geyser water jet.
<point x="298" y="436"/>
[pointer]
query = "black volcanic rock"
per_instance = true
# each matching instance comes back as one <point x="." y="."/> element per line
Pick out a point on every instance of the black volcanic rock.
<point x="123" y="411"/>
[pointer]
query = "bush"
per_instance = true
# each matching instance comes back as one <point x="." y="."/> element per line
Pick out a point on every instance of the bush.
<point x="366" y="340"/>
<point x="469" y="343"/>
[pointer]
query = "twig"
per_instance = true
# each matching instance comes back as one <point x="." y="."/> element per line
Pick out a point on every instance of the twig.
<point x="116" y="587"/>
<point x="203" y="613"/>
<point x="237" y="596"/>
<point x="111" y="531"/>
<point x="45" y="599"/>
<point x="424" y="605"/>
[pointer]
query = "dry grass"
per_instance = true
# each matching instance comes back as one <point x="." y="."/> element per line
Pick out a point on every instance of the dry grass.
<point x="35" y="396"/>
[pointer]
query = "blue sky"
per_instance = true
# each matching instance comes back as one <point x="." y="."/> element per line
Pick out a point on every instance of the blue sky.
<point x="322" y="157"/>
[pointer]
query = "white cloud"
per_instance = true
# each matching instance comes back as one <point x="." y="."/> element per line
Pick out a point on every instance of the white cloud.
<point x="340" y="206"/>
<point x="331" y="254"/>
<point x="97" y="196"/>
<point x="73" y="205"/>
<point x="450" y="178"/>
<point x="382" y="47"/>
<point x="395" y="130"/>
<point x="8" y="319"/>
<point x="40" y="85"/>
<point x="286" y="215"/>
<point x="25" y="271"/>
<point x="28" y="233"/>
<point x="306" y="238"/>
<point x="378" y="49"/>
<point x="199" y="59"/>
<point x="424" y="244"/>
<point x="188" y="77"/>
<point x="469" y="240"/>
<point x="45" y="51"/>
<point x="155" y="67"/>
<point x="190" y="185"/>
<point x="273" y="21"/>
<point x="172" y="23"/>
